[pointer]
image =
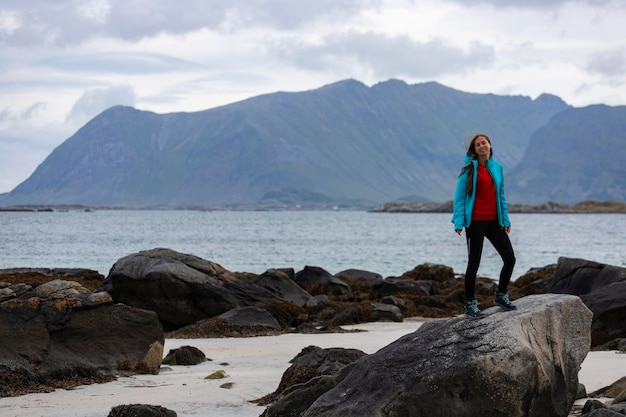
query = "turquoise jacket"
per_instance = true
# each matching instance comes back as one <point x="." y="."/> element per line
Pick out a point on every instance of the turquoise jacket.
<point x="464" y="203"/>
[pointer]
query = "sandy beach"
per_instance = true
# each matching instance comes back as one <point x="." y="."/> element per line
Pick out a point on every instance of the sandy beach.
<point x="254" y="366"/>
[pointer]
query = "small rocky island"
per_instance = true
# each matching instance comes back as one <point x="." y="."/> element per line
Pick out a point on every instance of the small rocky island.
<point x="589" y="206"/>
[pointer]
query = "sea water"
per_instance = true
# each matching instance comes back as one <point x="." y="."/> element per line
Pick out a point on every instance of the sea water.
<point x="254" y="241"/>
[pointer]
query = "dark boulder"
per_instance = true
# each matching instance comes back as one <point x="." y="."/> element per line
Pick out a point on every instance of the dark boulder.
<point x="618" y="408"/>
<point x="316" y="280"/>
<point x="280" y="282"/>
<point x="287" y="314"/>
<point x="311" y="362"/>
<point x="580" y="276"/>
<point x="534" y="281"/>
<point x="385" y="312"/>
<point x="395" y="301"/>
<point x="250" y="317"/>
<point x="430" y="272"/>
<point x="338" y="313"/>
<point x="618" y="344"/>
<point x="602" y="412"/>
<point x="611" y="391"/>
<point x="486" y="287"/>
<point x="141" y="410"/>
<point x="521" y="363"/>
<point x="182" y="289"/>
<point x="358" y="274"/>
<point x="318" y="300"/>
<point x="59" y="335"/>
<point x="602" y="288"/>
<point x="423" y="281"/>
<point x="394" y="286"/>
<point x="185" y="355"/>
<point x="34" y="277"/>
<point x="296" y="399"/>
<point x="8" y="290"/>
<point x="221" y="327"/>
<point x="615" y="407"/>
<point x="591" y="405"/>
<point x="359" y="281"/>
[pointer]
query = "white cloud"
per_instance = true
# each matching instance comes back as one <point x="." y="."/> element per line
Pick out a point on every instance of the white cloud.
<point x="9" y="22"/>
<point x="24" y="142"/>
<point x="96" y="100"/>
<point x="538" y="4"/>
<point x="386" y="56"/>
<point x="71" y="21"/>
<point x="64" y="61"/>
<point x="610" y="63"/>
<point x="26" y="115"/>
<point x="118" y="62"/>
<point x="97" y="11"/>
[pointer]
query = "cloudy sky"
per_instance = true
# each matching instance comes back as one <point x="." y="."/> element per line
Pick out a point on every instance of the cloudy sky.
<point x="64" y="61"/>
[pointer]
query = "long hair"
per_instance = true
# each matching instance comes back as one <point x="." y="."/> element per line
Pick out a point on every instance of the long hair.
<point x="469" y="168"/>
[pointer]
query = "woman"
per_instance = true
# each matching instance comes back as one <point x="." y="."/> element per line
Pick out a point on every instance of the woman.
<point x="480" y="208"/>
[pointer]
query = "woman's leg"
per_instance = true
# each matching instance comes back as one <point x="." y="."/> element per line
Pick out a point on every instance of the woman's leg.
<point x="475" y="235"/>
<point x="501" y="242"/>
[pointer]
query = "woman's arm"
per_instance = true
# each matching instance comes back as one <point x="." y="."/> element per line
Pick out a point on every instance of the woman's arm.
<point x="504" y="207"/>
<point x="460" y="198"/>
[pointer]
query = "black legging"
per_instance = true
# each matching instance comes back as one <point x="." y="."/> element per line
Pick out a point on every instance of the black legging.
<point x="476" y="234"/>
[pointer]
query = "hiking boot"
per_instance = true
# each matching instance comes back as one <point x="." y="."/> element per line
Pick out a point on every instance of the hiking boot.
<point x="471" y="309"/>
<point x="502" y="299"/>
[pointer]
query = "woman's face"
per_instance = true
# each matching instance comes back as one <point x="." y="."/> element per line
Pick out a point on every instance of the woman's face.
<point x="482" y="147"/>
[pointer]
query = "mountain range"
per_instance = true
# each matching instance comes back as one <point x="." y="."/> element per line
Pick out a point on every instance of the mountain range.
<point x="342" y="145"/>
<point x="579" y="155"/>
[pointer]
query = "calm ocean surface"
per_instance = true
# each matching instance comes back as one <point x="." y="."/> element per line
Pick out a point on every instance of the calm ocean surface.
<point x="250" y="241"/>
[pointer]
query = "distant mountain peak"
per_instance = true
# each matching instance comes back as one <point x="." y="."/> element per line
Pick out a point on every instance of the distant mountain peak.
<point x="344" y="144"/>
<point x="347" y="83"/>
<point x="550" y="99"/>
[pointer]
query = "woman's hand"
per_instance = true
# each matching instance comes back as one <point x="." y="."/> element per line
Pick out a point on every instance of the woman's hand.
<point x="507" y="230"/>
<point x="458" y="232"/>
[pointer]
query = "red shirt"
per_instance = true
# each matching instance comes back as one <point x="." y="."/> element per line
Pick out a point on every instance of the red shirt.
<point x="485" y="202"/>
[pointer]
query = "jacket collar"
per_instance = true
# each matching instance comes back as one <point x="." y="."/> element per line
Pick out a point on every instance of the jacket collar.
<point x="470" y="158"/>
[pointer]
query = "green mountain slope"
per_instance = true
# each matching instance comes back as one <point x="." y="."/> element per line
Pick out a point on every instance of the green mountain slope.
<point x="342" y="144"/>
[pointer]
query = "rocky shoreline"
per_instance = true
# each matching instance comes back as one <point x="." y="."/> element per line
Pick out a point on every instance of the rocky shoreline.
<point x="73" y="326"/>
<point x="589" y="206"/>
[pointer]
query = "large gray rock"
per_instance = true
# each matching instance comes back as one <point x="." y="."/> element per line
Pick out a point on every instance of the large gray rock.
<point x="185" y="355"/>
<point x="182" y="289"/>
<point x="310" y="364"/>
<point x="603" y="290"/>
<point x="141" y="410"/>
<point x="359" y="280"/>
<point x="316" y="281"/>
<point x="250" y="317"/>
<point x="521" y="363"/>
<point x="60" y="334"/>
<point x="281" y="283"/>
<point x="392" y="286"/>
